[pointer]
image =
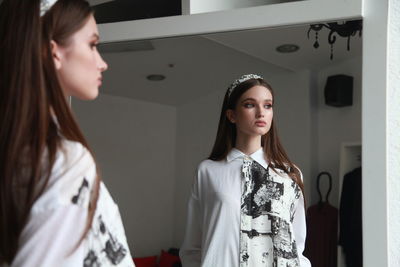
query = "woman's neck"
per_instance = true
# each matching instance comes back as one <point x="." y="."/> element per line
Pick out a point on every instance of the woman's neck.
<point x="248" y="144"/>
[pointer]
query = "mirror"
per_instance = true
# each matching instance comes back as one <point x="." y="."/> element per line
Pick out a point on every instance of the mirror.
<point x="149" y="133"/>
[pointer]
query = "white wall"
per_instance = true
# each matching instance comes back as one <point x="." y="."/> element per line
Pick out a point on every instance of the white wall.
<point x="294" y="121"/>
<point x="196" y="129"/>
<point x="202" y="6"/>
<point x="134" y="142"/>
<point x="197" y="125"/>
<point x="335" y="126"/>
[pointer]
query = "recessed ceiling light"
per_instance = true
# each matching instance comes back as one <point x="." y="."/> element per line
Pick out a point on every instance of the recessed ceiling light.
<point x="287" y="48"/>
<point x="155" y="77"/>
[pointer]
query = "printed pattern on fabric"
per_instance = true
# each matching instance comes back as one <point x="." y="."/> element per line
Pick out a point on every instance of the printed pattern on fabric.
<point x="267" y="209"/>
<point x="107" y="250"/>
<point x="79" y="198"/>
<point x="106" y="244"/>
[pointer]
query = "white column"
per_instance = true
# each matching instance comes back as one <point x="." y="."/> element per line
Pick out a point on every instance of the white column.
<point x="393" y="126"/>
<point x="381" y="133"/>
<point x="375" y="215"/>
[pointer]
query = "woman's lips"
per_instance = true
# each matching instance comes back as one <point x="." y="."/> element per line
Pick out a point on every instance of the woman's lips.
<point x="261" y="123"/>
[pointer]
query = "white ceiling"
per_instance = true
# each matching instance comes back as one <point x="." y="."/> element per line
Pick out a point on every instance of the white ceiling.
<point x="262" y="44"/>
<point x="202" y="64"/>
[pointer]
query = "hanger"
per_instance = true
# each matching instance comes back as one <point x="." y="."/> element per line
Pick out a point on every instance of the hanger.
<point x="320" y="202"/>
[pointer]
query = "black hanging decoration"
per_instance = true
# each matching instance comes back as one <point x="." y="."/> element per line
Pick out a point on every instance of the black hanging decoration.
<point x="345" y="30"/>
<point x="329" y="189"/>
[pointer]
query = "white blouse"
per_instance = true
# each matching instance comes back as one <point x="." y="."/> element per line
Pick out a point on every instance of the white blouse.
<point x="215" y="226"/>
<point x="58" y="218"/>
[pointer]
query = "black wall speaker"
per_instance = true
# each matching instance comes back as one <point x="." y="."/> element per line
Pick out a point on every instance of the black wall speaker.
<point x="339" y="91"/>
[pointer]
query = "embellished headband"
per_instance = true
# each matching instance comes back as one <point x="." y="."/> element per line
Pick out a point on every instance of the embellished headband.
<point x="45" y="5"/>
<point x="240" y="80"/>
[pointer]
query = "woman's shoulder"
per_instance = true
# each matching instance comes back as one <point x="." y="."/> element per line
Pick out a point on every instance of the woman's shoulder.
<point x="209" y="164"/>
<point x="71" y="178"/>
<point x="74" y="160"/>
<point x="72" y="151"/>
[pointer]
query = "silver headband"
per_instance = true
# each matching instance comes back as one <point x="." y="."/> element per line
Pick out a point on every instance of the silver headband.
<point x="45" y="5"/>
<point x="240" y="80"/>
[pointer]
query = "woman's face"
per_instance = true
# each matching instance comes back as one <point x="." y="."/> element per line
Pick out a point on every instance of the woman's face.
<point x="79" y="64"/>
<point x="253" y="113"/>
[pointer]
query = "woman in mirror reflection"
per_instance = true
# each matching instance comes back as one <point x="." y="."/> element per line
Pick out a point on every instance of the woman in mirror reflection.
<point x="54" y="209"/>
<point x="247" y="202"/>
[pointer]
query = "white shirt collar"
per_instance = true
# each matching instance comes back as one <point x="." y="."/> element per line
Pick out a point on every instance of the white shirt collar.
<point x="257" y="156"/>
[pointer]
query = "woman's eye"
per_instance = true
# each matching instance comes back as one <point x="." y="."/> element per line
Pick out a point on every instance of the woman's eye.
<point x="248" y="105"/>
<point x="268" y="106"/>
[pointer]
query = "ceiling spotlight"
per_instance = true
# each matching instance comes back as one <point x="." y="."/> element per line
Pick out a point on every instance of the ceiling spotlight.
<point x="287" y="48"/>
<point x="155" y="77"/>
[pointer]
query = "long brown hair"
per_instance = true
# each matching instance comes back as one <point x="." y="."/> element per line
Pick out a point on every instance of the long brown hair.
<point x="31" y="98"/>
<point x="226" y="134"/>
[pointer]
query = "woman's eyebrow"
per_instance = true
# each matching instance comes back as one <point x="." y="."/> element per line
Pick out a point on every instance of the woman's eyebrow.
<point x="248" y="99"/>
<point x="252" y="99"/>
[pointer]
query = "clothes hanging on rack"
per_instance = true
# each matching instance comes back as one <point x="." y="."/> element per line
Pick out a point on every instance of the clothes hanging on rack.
<point x="350" y="237"/>
<point x="322" y="228"/>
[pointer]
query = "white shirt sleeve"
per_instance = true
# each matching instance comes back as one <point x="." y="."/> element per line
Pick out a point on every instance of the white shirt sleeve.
<point x="190" y="252"/>
<point x="51" y="238"/>
<point x="300" y="230"/>
<point x="58" y="217"/>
